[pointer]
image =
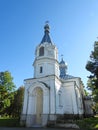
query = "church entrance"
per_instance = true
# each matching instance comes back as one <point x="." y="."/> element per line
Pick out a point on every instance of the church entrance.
<point x="39" y="105"/>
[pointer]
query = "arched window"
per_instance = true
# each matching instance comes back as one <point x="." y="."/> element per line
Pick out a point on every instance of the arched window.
<point x="41" y="69"/>
<point x="41" y="51"/>
<point x="60" y="98"/>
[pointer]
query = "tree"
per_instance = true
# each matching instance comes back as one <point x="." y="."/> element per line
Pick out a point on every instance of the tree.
<point x="6" y="88"/>
<point x="16" y="105"/>
<point x="92" y="66"/>
<point x="86" y="92"/>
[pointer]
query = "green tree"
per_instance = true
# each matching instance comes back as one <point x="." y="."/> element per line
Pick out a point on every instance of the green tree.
<point x="86" y="92"/>
<point x="92" y="66"/>
<point x="16" y="105"/>
<point x="6" y="88"/>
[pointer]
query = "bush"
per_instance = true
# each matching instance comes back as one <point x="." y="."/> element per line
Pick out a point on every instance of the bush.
<point x="9" y="122"/>
<point x="88" y="123"/>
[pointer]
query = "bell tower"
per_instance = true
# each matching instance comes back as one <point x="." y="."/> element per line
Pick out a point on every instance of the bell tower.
<point x="46" y="57"/>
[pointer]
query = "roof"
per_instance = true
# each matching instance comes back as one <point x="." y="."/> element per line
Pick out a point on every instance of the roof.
<point x="46" y="37"/>
<point x="66" y="76"/>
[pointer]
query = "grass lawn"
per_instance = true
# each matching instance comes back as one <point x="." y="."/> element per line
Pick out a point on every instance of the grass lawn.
<point x="9" y="122"/>
<point x="88" y="123"/>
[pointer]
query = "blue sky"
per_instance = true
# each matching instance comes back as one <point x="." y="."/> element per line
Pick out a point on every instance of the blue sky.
<point x="73" y="28"/>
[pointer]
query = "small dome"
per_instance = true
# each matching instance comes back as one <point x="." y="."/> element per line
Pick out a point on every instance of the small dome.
<point x="63" y="68"/>
<point x="62" y="61"/>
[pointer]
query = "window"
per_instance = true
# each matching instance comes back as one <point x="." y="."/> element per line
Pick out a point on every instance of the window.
<point x="60" y="98"/>
<point x="60" y="104"/>
<point x="41" y="51"/>
<point x="41" y="69"/>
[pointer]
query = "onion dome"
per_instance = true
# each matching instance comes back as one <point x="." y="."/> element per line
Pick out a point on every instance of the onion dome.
<point x="63" y="68"/>
<point x="46" y="37"/>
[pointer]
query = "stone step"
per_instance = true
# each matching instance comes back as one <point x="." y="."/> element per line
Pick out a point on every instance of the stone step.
<point x="67" y="125"/>
<point x="54" y="124"/>
<point x="65" y="121"/>
<point x="51" y="123"/>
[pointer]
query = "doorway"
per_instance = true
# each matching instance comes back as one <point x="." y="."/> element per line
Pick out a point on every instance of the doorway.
<point x="39" y="105"/>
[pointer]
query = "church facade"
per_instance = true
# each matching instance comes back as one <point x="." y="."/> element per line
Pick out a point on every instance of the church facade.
<point x="52" y="92"/>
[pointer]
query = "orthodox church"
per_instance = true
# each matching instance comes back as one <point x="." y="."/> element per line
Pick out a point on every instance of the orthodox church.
<point x="52" y="92"/>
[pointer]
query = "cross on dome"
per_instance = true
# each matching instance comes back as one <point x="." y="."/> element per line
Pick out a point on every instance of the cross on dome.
<point x="47" y="22"/>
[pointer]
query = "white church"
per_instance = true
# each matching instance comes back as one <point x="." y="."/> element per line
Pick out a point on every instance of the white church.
<point x="52" y="92"/>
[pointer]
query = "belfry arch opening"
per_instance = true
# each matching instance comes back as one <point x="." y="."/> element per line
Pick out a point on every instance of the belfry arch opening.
<point x="41" y="51"/>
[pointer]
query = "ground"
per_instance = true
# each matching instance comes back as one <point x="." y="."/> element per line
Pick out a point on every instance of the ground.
<point x="21" y="128"/>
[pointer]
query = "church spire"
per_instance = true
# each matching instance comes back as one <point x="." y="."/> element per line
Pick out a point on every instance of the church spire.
<point x="46" y="37"/>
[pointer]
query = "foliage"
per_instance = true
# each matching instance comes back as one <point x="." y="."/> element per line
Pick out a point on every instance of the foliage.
<point x="88" y="123"/>
<point x="16" y="105"/>
<point x="92" y="66"/>
<point x="6" y="88"/>
<point x="10" y="98"/>
<point x="9" y="122"/>
<point x="86" y="92"/>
